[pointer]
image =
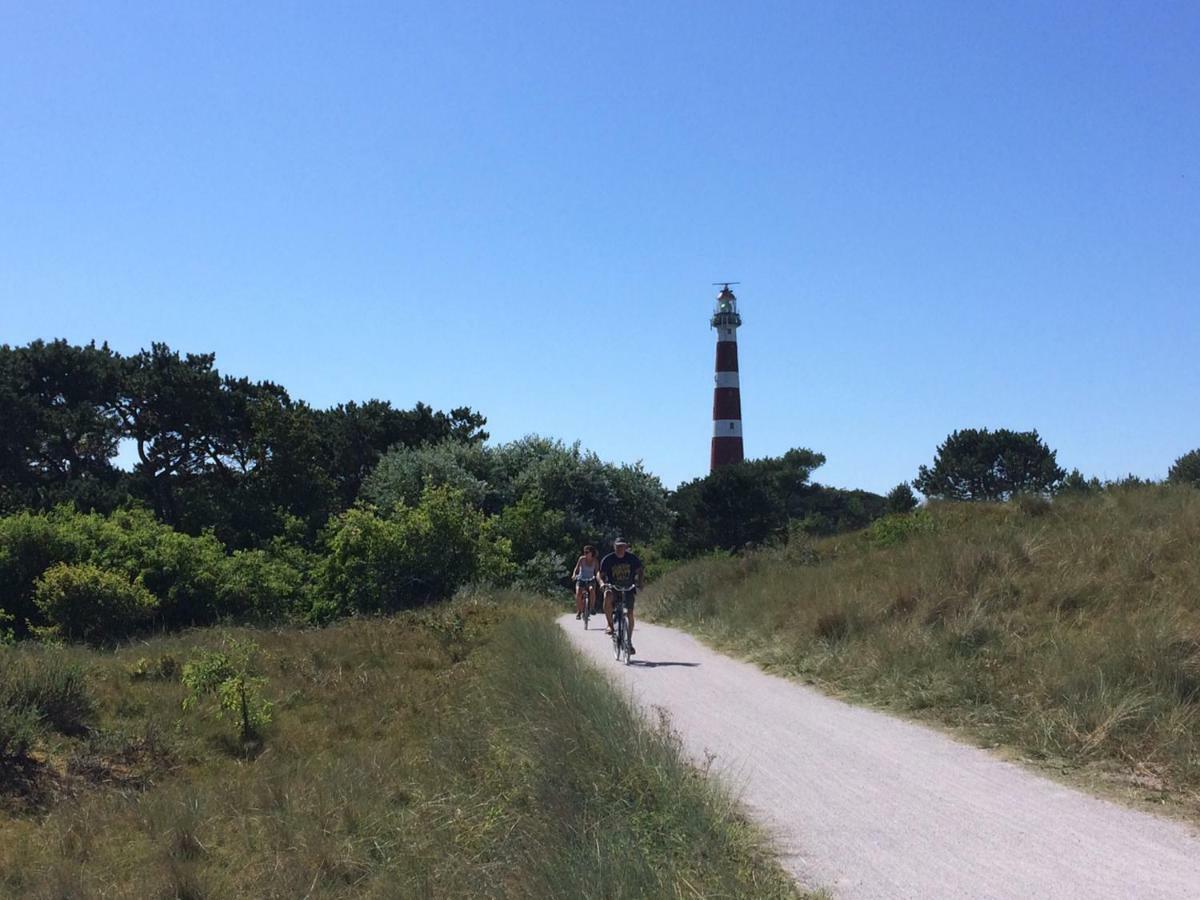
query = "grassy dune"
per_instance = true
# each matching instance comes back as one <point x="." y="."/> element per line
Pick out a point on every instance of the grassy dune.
<point x="1067" y="631"/>
<point x="457" y="752"/>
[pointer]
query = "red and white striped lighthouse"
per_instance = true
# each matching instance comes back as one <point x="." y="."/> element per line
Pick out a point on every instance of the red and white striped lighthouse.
<point x="727" y="399"/>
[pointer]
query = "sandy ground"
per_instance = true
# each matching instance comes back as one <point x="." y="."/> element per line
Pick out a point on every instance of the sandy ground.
<point x="870" y="806"/>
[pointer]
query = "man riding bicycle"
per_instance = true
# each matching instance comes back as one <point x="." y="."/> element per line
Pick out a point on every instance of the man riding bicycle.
<point x="620" y="569"/>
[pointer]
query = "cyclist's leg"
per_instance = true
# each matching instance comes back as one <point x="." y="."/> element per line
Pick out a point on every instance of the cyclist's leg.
<point x="578" y="599"/>
<point x="629" y="604"/>
<point x="608" y="604"/>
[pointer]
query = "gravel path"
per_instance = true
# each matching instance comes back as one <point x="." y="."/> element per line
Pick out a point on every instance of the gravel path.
<point x="870" y="806"/>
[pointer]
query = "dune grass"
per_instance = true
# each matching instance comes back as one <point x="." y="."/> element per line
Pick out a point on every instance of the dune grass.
<point x="462" y="751"/>
<point x="1066" y="631"/>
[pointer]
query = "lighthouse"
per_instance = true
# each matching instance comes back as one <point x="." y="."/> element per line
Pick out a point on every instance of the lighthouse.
<point x="727" y="399"/>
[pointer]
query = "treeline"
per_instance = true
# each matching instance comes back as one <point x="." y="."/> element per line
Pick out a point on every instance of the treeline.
<point x="244" y="503"/>
<point x="213" y="452"/>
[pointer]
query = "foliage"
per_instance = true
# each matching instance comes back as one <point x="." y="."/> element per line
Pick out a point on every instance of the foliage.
<point x="741" y="504"/>
<point x="978" y="464"/>
<point x="762" y="500"/>
<point x="214" y="452"/>
<point x="1075" y="483"/>
<point x="40" y="688"/>
<point x="19" y="729"/>
<point x="230" y="678"/>
<point x="545" y="479"/>
<point x="31" y="543"/>
<point x="403" y="473"/>
<point x="266" y="585"/>
<point x="534" y="529"/>
<point x="896" y="527"/>
<point x="1186" y="469"/>
<point x="192" y="579"/>
<point x="900" y="499"/>
<point x="85" y="602"/>
<point x="379" y="563"/>
<point x="165" y="668"/>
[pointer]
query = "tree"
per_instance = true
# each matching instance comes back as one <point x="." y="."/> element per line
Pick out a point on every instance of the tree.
<point x="357" y="435"/>
<point x="901" y="499"/>
<point x="1186" y="469"/>
<point x="1076" y="483"/>
<point x="746" y="503"/>
<point x="60" y="433"/>
<point x="978" y="464"/>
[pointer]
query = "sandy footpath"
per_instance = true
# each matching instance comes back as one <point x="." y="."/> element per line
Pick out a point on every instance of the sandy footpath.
<point x="870" y="806"/>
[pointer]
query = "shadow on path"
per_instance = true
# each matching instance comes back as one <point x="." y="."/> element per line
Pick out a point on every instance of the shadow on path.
<point x="651" y="664"/>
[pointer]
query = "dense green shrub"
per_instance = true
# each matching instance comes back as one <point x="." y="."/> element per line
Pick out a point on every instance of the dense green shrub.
<point x="596" y="500"/>
<point x="182" y="571"/>
<point x="30" y="543"/>
<point x="89" y="603"/>
<point x="264" y="585"/>
<point x="375" y="563"/>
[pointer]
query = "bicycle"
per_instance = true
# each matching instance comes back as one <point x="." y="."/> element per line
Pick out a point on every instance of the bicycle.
<point x="622" y="644"/>
<point x="586" y="584"/>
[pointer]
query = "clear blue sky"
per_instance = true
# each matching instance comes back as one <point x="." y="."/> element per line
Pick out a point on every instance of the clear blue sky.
<point x="942" y="214"/>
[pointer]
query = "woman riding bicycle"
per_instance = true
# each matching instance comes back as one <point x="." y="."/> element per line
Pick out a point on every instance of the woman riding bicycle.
<point x="584" y="577"/>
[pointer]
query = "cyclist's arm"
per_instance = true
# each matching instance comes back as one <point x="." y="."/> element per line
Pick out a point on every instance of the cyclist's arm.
<point x="575" y="571"/>
<point x="638" y="577"/>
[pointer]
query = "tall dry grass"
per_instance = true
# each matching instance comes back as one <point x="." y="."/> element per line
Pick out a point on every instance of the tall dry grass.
<point x="1069" y="630"/>
<point x="457" y="752"/>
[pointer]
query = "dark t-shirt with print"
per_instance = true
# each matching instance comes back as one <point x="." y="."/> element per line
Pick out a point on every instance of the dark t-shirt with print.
<point x="620" y="571"/>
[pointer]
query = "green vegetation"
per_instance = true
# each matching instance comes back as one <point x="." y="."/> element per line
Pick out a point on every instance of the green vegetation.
<point x="458" y="751"/>
<point x="1066" y="629"/>
<point x="760" y="501"/>
<point x="978" y="464"/>
<point x="1186" y="469"/>
<point x="228" y="676"/>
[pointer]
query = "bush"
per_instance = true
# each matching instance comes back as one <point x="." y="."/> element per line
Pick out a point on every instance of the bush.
<point x="895" y="528"/>
<point x="414" y="555"/>
<point x="230" y="677"/>
<point x="181" y="571"/>
<point x="262" y="585"/>
<point x="90" y="603"/>
<point x="44" y="681"/>
<point x="30" y="544"/>
<point x="19" y="728"/>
